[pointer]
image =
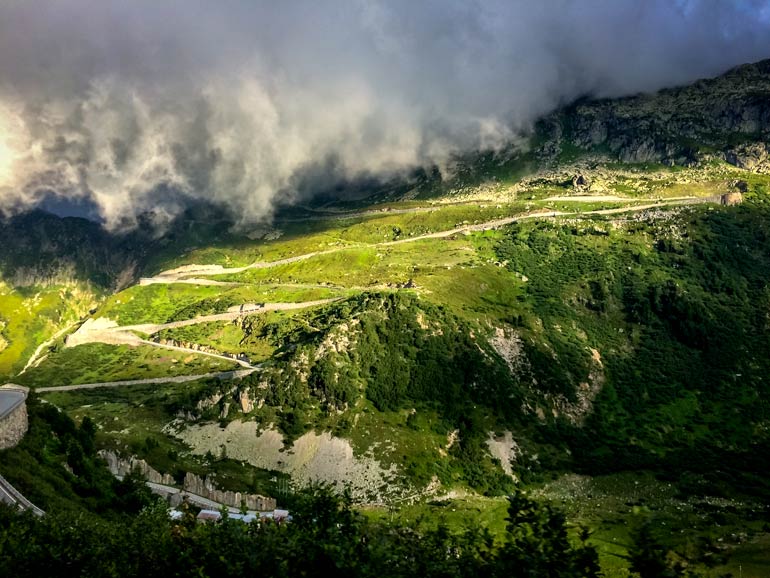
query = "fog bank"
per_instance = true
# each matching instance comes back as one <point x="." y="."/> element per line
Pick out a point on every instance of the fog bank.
<point x="142" y="105"/>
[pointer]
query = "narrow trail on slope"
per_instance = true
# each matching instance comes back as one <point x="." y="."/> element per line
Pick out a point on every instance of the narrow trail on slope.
<point x="230" y="315"/>
<point x="106" y="331"/>
<point x="184" y="273"/>
<point x="33" y="360"/>
<point x="236" y="374"/>
<point x="233" y="359"/>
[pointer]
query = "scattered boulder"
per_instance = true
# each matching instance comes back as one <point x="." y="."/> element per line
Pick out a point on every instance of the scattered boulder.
<point x="742" y="186"/>
<point x="730" y="199"/>
<point x="752" y="157"/>
<point x="581" y="182"/>
<point x="247" y="404"/>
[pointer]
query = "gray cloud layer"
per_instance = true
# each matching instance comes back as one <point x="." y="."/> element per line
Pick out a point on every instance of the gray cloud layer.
<point x="144" y="105"/>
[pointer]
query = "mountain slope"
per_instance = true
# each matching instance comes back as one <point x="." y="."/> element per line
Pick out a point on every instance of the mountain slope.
<point x="595" y="303"/>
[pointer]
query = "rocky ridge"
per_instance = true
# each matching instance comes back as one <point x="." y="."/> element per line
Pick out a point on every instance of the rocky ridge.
<point x="728" y="116"/>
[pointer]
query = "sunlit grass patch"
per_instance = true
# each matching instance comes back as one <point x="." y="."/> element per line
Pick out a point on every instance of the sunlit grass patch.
<point x="95" y="363"/>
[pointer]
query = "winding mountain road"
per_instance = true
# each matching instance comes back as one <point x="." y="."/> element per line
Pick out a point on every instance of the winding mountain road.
<point x="186" y="273"/>
<point x="232" y="314"/>
<point x="106" y="331"/>
<point x="11" y="496"/>
<point x="237" y="374"/>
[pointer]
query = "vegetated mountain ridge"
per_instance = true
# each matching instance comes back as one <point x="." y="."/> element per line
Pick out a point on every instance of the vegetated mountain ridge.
<point x="600" y="326"/>
<point x="726" y="118"/>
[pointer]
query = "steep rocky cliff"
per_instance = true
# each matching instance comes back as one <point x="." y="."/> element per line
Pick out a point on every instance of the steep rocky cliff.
<point x="728" y="117"/>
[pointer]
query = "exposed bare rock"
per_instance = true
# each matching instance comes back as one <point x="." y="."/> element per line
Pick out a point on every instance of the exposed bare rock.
<point x="339" y="339"/>
<point x="206" y="487"/>
<point x="312" y="457"/>
<point x="126" y="277"/>
<point x="210" y="401"/>
<point x="675" y="126"/>
<point x="247" y="404"/>
<point x="508" y="345"/>
<point x="505" y="449"/>
<point x="752" y="157"/>
<point x="577" y="411"/>
<point x="581" y="182"/>
<point x="730" y="199"/>
<point x="123" y="466"/>
<point x="265" y="233"/>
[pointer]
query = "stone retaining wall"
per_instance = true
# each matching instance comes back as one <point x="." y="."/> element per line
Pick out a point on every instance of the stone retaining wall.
<point x="206" y="488"/>
<point x="14" y="424"/>
<point x="13" y="427"/>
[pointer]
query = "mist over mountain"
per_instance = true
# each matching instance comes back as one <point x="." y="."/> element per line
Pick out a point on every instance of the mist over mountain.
<point x="136" y="107"/>
<point x="498" y="270"/>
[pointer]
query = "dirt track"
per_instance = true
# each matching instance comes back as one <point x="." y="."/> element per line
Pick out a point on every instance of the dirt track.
<point x="177" y="379"/>
<point x="152" y="328"/>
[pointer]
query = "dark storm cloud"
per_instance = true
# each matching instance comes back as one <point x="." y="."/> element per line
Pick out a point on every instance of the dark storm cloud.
<point x="140" y="105"/>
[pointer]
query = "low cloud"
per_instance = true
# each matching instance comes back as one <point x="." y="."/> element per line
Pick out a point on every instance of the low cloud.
<point x="146" y="106"/>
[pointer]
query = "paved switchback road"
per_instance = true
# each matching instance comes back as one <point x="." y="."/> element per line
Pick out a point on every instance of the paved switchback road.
<point x="107" y="332"/>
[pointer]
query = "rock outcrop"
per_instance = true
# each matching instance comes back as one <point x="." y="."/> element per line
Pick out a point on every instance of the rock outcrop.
<point x="581" y="183"/>
<point x="123" y="466"/>
<point x="730" y="199"/>
<point x="203" y="487"/>
<point x="246" y="402"/>
<point x="752" y="157"/>
<point x="674" y="126"/>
